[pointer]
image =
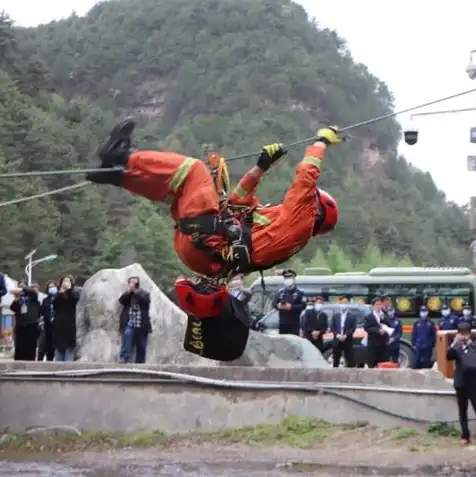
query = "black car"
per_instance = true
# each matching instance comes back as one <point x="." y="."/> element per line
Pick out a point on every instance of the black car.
<point x="269" y="324"/>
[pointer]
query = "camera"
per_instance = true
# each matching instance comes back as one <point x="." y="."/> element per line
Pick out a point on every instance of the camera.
<point x="411" y="136"/>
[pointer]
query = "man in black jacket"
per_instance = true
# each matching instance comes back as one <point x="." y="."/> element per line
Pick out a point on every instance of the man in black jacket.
<point x="377" y="336"/>
<point x="343" y="328"/>
<point x="289" y="301"/>
<point x="314" y="323"/>
<point x="134" y="322"/>
<point x="26" y="308"/>
<point x="464" y="379"/>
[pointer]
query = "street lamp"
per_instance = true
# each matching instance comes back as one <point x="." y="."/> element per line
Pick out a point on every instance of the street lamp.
<point x="31" y="263"/>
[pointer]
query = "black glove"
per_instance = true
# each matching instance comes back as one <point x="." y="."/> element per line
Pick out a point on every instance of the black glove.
<point x="270" y="155"/>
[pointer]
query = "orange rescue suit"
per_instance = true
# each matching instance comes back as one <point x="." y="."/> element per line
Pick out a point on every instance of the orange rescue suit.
<point x="277" y="232"/>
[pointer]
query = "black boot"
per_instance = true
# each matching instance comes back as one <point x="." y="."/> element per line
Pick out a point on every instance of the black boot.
<point x="114" y="154"/>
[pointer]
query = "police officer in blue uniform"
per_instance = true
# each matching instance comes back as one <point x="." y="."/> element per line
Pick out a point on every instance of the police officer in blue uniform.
<point x="448" y="321"/>
<point x="289" y="302"/>
<point x="423" y="339"/>
<point x="394" y="342"/>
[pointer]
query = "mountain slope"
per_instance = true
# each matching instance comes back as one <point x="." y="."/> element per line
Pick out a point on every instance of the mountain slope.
<point x="231" y="76"/>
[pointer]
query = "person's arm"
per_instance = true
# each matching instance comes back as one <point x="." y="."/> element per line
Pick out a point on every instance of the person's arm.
<point x="414" y="334"/>
<point x="244" y="192"/>
<point x="302" y="192"/>
<point x="351" y="330"/>
<point x="125" y="298"/>
<point x="277" y="300"/>
<point x="334" y="324"/>
<point x="433" y="335"/>
<point x="32" y="294"/>
<point x="371" y="326"/>
<point x="452" y="353"/>
<point x="397" y="332"/>
<point x="142" y="297"/>
<point x="298" y="305"/>
<point x="15" y="306"/>
<point x="322" y="322"/>
<point x="3" y="285"/>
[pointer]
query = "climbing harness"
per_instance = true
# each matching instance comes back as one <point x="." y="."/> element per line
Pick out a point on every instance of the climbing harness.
<point x="233" y="224"/>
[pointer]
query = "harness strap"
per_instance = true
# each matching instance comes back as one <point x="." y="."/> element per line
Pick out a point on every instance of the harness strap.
<point x="236" y="255"/>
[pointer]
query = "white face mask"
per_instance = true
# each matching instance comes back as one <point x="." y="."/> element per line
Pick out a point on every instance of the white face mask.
<point x="424" y="314"/>
<point x="288" y="282"/>
<point x="318" y="306"/>
<point x="310" y="306"/>
<point x="466" y="312"/>
<point x="445" y="313"/>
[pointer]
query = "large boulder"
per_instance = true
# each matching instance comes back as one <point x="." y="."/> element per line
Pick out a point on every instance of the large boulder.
<point x="98" y="321"/>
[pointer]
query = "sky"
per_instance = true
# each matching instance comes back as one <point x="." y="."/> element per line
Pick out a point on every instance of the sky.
<point x="419" y="48"/>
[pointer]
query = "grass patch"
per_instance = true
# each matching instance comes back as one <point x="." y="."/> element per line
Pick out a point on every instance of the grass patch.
<point x="442" y="429"/>
<point x="292" y="431"/>
<point x="403" y="433"/>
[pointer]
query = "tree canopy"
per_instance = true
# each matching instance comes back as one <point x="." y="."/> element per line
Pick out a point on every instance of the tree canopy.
<point x="202" y="75"/>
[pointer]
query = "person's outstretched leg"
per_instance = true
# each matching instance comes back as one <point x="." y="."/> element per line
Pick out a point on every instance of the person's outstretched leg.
<point x="167" y="177"/>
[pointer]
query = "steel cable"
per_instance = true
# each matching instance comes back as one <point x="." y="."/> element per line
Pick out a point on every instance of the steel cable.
<point x="232" y="158"/>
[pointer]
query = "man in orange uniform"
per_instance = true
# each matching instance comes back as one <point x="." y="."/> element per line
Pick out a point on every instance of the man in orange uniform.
<point x="206" y="241"/>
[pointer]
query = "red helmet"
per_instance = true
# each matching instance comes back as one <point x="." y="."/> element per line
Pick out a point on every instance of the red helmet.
<point x="198" y="300"/>
<point x="328" y="215"/>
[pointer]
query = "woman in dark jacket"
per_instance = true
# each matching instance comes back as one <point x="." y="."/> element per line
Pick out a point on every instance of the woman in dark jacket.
<point x="45" y="346"/>
<point x="26" y="307"/>
<point x="464" y="379"/>
<point x="64" y="325"/>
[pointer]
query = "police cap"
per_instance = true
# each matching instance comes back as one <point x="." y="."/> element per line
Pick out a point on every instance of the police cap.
<point x="288" y="273"/>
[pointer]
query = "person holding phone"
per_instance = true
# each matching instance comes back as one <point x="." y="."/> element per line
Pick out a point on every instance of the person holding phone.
<point x="64" y="325"/>
<point x="463" y="352"/>
<point x="134" y="322"/>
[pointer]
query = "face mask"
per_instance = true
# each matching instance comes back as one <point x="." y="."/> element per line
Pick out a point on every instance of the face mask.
<point x="424" y="314"/>
<point x="52" y="290"/>
<point x="288" y="282"/>
<point x="445" y="313"/>
<point x="391" y="314"/>
<point x="310" y="307"/>
<point x="466" y="312"/>
<point x="318" y="306"/>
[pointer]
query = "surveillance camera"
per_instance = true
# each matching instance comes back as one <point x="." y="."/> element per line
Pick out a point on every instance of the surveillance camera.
<point x="471" y="69"/>
<point x="411" y="136"/>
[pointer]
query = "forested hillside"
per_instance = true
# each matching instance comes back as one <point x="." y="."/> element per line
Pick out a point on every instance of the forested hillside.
<point x="201" y="75"/>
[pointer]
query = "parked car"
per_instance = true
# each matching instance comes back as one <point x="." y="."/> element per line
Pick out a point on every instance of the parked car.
<point x="269" y="324"/>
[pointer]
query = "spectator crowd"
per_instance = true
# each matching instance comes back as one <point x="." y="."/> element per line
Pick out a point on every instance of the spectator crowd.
<point x="383" y="329"/>
<point x="45" y="324"/>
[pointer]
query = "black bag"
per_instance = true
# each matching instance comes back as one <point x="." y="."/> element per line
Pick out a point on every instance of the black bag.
<point x="223" y="337"/>
<point x="468" y="358"/>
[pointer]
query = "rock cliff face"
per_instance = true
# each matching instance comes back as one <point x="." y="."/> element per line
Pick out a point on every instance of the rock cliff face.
<point x="98" y="322"/>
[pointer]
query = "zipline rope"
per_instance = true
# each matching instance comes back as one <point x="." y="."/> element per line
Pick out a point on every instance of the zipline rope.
<point x="45" y="194"/>
<point x="232" y="158"/>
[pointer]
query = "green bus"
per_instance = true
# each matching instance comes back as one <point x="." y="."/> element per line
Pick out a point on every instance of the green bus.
<point x="408" y="287"/>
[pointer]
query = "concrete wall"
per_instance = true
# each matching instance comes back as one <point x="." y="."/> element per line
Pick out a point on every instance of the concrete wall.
<point x="116" y="403"/>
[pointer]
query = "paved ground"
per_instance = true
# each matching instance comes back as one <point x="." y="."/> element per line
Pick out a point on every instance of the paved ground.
<point x="353" y="453"/>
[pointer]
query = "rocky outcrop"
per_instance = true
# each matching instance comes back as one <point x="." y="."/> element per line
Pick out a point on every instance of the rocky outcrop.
<point x="98" y="321"/>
